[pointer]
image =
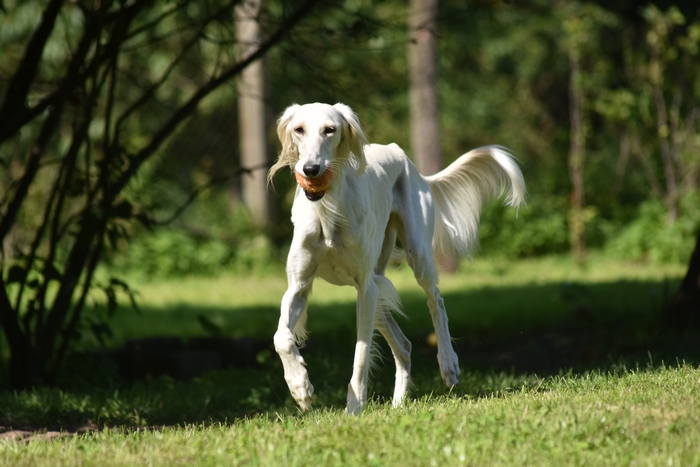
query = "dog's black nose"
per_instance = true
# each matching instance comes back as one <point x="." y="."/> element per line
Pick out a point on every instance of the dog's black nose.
<point x="311" y="170"/>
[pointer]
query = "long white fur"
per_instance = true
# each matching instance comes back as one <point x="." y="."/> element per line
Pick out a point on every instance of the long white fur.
<point x="463" y="188"/>
<point x="348" y="236"/>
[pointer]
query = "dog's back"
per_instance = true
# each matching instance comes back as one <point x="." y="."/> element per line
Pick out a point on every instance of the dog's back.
<point x="458" y="193"/>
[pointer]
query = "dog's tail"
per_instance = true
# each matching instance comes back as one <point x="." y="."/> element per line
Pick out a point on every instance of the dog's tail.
<point x="462" y="189"/>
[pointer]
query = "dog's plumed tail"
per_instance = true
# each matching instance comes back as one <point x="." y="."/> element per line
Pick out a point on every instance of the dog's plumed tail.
<point x="463" y="188"/>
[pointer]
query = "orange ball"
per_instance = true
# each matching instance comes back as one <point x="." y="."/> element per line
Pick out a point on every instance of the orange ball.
<point x="315" y="185"/>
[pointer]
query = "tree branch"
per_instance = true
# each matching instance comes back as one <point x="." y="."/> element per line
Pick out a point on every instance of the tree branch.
<point x="17" y="90"/>
<point x="151" y="90"/>
<point x="30" y="170"/>
<point x="186" y="109"/>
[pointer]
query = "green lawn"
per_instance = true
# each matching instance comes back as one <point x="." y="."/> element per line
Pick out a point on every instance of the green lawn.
<point x="634" y="418"/>
<point x="561" y="366"/>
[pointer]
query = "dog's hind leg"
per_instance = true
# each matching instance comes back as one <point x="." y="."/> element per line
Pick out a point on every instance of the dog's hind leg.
<point x="421" y="261"/>
<point x="293" y="307"/>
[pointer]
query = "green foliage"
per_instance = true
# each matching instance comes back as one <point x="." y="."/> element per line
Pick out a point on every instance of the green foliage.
<point x="504" y="80"/>
<point x="539" y="228"/>
<point x="90" y="95"/>
<point x="207" y="239"/>
<point x="173" y="252"/>
<point x="650" y="236"/>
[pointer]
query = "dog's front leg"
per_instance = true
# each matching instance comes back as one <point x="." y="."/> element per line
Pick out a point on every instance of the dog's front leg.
<point x="367" y="295"/>
<point x="293" y="307"/>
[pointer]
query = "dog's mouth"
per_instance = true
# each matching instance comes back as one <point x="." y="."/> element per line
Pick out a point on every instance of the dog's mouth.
<point x="315" y="188"/>
<point x="314" y="196"/>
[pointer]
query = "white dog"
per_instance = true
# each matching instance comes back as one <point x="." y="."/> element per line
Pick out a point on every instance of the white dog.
<point x="353" y="201"/>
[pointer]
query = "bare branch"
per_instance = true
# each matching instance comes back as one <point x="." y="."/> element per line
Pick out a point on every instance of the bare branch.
<point x="17" y="90"/>
<point x="30" y="169"/>
<point x="194" y="194"/>
<point x="186" y="109"/>
<point x="151" y="90"/>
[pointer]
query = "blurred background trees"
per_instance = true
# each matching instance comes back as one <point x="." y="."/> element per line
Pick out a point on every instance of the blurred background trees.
<point x="123" y="129"/>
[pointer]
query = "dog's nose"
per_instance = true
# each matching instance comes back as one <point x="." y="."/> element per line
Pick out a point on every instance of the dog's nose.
<point x="311" y="170"/>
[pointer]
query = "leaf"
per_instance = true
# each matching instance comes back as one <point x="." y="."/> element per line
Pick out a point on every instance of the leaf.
<point x="209" y="326"/>
<point x="101" y="330"/>
<point x="111" y="300"/>
<point x="112" y="238"/>
<point x="16" y="273"/>
<point x="127" y="290"/>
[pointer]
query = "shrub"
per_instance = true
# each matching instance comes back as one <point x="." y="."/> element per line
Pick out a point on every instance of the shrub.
<point x="651" y="237"/>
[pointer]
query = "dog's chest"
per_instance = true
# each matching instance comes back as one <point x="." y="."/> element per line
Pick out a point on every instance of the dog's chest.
<point x="342" y="259"/>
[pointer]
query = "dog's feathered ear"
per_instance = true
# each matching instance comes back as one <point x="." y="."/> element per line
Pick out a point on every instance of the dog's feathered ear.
<point x="289" y="153"/>
<point x="353" y="138"/>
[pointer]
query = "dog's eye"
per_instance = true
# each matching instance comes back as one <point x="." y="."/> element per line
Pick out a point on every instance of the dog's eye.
<point x="299" y="130"/>
<point x="329" y="130"/>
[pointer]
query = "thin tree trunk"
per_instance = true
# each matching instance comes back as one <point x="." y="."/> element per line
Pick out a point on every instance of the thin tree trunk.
<point x="423" y="94"/>
<point x="252" y="126"/>
<point x="577" y="154"/>
<point x="423" y="70"/>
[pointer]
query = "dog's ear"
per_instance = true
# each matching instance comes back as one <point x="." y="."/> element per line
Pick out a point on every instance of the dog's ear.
<point x="353" y="138"/>
<point x="289" y="154"/>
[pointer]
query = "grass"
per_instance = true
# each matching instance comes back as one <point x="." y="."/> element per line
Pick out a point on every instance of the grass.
<point x="631" y="418"/>
<point x="561" y="366"/>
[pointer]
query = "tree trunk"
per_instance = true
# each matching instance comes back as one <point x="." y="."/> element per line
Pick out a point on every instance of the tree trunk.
<point x="577" y="154"/>
<point x="252" y="115"/>
<point x="684" y="309"/>
<point x="423" y="70"/>
<point x="423" y="94"/>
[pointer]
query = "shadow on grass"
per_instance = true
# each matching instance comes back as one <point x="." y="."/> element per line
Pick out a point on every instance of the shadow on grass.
<point x="506" y="337"/>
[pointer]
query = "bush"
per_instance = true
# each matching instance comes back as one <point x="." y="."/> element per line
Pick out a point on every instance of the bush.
<point x="651" y="237"/>
<point x="173" y="252"/>
<point x="539" y="228"/>
<point x="211" y="235"/>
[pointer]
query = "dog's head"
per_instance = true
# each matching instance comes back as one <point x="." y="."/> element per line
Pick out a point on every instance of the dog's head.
<point x="319" y="137"/>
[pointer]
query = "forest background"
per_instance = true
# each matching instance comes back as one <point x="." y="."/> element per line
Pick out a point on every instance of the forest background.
<point x="606" y="93"/>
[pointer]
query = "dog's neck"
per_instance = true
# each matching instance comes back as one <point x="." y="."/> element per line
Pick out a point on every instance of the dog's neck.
<point x="331" y="211"/>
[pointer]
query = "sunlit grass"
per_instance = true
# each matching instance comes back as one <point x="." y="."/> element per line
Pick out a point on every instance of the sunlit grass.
<point x="267" y="290"/>
<point x="486" y="292"/>
<point x="633" y="418"/>
<point x="637" y="404"/>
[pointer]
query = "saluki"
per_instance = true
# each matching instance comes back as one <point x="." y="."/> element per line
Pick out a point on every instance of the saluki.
<point x="353" y="201"/>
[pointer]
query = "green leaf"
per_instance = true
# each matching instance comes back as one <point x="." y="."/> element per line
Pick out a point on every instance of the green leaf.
<point x="101" y="330"/>
<point x="16" y="273"/>
<point x="209" y="326"/>
<point x="111" y="300"/>
<point x="114" y="282"/>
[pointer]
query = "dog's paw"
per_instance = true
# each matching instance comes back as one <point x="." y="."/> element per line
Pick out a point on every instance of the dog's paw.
<point x="302" y="392"/>
<point x="449" y="368"/>
<point x="355" y="403"/>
